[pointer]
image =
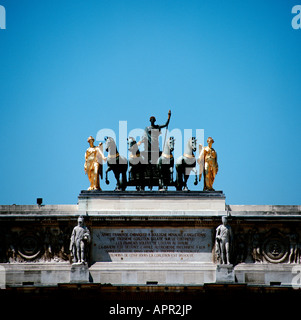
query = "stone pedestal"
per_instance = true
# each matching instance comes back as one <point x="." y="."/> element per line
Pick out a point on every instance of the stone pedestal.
<point x="79" y="273"/>
<point x="146" y="202"/>
<point x="268" y="274"/>
<point x="163" y="273"/>
<point x="225" y="273"/>
<point x="2" y="277"/>
<point x="152" y="237"/>
<point x="37" y="274"/>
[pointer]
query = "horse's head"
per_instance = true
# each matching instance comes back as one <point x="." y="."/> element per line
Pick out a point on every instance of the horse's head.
<point x="193" y="144"/>
<point x="171" y="143"/>
<point x="131" y="143"/>
<point x="109" y="143"/>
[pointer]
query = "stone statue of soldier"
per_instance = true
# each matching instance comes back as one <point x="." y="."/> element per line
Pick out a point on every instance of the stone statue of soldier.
<point x="224" y="239"/>
<point x="79" y="241"/>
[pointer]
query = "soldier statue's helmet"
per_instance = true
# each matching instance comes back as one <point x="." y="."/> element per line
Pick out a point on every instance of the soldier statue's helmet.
<point x="152" y="118"/>
<point x="210" y="139"/>
<point x="90" y="138"/>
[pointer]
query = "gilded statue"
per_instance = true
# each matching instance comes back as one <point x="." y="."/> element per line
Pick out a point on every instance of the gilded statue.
<point x="94" y="158"/>
<point x="208" y="164"/>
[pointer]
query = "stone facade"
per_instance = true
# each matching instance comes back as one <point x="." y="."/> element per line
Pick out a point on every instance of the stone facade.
<point x="150" y="237"/>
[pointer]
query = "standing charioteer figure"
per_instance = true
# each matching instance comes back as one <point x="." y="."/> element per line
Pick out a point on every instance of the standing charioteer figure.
<point x="151" y="139"/>
<point x="152" y="152"/>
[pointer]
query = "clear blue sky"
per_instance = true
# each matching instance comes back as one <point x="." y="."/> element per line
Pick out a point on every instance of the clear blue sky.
<point x="71" y="68"/>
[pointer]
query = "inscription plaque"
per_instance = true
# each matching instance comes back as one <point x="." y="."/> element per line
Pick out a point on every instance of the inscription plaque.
<point x="152" y="244"/>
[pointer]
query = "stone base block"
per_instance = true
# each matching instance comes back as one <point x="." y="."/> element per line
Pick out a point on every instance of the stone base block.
<point x="145" y="202"/>
<point x="79" y="273"/>
<point x="225" y="273"/>
<point x="36" y="273"/>
<point x="158" y="273"/>
<point x="267" y="273"/>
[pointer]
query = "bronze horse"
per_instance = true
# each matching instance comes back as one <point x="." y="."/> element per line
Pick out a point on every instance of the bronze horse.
<point x="136" y="165"/>
<point x="116" y="163"/>
<point x="165" y="165"/>
<point x="186" y="164"/>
